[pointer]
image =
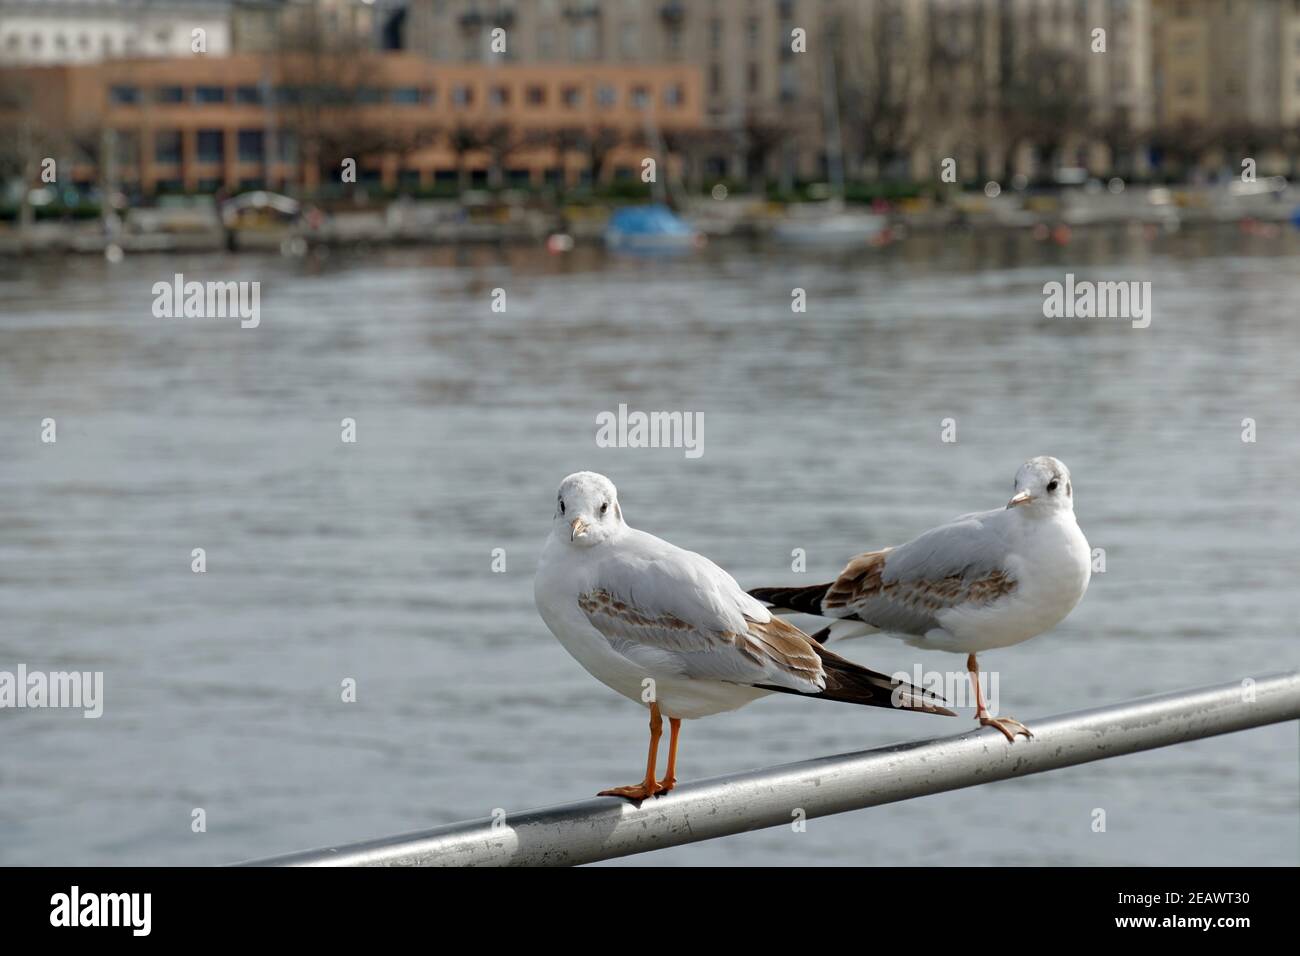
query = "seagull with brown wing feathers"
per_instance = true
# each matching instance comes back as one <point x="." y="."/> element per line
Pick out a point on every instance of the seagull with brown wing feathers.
<point x="984" y="580"/>
<point x="670" y="630"/>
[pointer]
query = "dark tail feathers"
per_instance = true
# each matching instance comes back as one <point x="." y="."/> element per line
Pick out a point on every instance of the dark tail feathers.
<point x="854" y="684"/>
<point x="805" y="600"/>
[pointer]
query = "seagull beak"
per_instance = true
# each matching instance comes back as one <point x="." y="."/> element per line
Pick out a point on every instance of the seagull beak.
<point x="1020" y="498"/>
<point x="577" y="528"/>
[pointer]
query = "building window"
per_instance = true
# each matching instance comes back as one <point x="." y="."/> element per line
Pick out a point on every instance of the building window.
<point x="499" y="96"/>
<point x="789" y="82"/>
<point x="639" y="97"/>
<point x="536" y="95"/>
<point x="407" y="96"/>
<point x="127" y="151"/>
<point x="369" y="95"/>
<point x="715" y="34"/>
<point x="753" y="78"/>
<point x="751" y="31"/>
<point x="252" y="146"/>
<point x="629" y="40"/>
<point x="124" y="95"/>
<point x="167" y="146"/>
<point x="605" y="95"/>
<point x="211" y="145"/>
<point x="715" y="79"/>
<point x="462" y="96"/>
<point x="286" y="141"/>
<point x="673" y="43"/>
<point x="209" y="94"/>
<point x="248" y="95"/>
<point x="546" y="43"/>
<point x="675" y="96"/>
<point x="571" y="97"/>
<point x="169" y="94"/>
<point x="582" y="42"/>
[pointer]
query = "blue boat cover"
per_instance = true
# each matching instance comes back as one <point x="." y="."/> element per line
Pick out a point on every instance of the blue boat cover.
<point x="652" y="220"/>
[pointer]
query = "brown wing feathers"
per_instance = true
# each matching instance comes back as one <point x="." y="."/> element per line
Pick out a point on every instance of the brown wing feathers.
<point x="845" y="681"/>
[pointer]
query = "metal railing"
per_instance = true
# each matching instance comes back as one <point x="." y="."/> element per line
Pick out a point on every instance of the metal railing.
<point x="604" y="828"/>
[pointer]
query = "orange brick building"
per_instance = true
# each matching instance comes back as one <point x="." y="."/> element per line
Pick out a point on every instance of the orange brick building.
<point x="242" y="122"/>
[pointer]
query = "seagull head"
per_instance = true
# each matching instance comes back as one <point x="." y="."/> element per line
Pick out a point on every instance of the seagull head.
<point x="586" y="510"/>
<point x="1043" y="487"/>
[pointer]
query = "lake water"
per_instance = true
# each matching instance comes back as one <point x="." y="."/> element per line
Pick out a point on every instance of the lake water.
<point x="373" y="561"/>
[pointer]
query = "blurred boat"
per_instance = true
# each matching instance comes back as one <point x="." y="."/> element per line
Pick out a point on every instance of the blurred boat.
<point x="828" y="224"/>
<point x="261" y="220"/>
<point x="653" y="228"/>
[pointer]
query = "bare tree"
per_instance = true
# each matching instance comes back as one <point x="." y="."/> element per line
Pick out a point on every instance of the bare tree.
<point x="502" y="140"/>
<point x="762" y="136"/>
<point x="34" y="128"/>
<point x="563" y="141"/>
<point x="329" y="97"/>
<point x="598" y="143"/>
<point x="875" y="74"/>
<point x="463" y="139"/>
<point x="1043" y="101"/>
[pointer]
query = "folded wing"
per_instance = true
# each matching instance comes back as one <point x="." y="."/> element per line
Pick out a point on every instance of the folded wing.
<point x="676" y="611"/>
<point x="903" y="589"/>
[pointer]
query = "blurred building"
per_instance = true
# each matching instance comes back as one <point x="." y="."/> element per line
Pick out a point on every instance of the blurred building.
<point x="89" y="31"/>
<point x="1227" y="81"/>
<point x="290" y="121"/>
<point x="262" y="26"/>
<point x="752" y="78"/>
<point x="915" y="81"/>
<point x="1228" y="58"/>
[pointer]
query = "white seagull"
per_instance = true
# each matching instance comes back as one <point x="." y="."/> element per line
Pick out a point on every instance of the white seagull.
<point x="672" y="631"/>
<point x="984" y="580"/>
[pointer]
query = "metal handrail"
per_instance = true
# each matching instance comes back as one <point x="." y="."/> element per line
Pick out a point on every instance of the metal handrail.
<point x="604" y="828"/>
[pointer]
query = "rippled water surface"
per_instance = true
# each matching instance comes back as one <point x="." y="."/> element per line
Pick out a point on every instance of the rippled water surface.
<point x="373" y="561"/>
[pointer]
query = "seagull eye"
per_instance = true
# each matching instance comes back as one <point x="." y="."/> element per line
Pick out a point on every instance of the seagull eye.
<point x="1053" y="485"/>
<point x="561" y="507"/>
<point x="604" y="507"/>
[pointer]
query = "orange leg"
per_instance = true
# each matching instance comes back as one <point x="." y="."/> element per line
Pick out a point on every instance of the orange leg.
<point x="670" y="777"/>
<point x="648" y="786"/>
<point x="1009" y="726"/>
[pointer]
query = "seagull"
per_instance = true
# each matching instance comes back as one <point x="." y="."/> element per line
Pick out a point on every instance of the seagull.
<point x="983" y="580"/>
<point x="671" y="630"/>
